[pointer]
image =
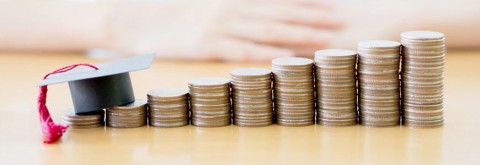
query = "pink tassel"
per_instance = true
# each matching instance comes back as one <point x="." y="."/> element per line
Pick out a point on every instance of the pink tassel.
<point x="51" y="131"/>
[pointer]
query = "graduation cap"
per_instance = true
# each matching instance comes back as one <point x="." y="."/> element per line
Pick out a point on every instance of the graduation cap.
<point x="92" y="88"/>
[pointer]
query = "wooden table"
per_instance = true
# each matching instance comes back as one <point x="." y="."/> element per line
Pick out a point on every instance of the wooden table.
<point x="21" y="141"/>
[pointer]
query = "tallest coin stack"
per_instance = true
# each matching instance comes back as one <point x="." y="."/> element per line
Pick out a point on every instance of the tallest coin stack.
<point x="422" y="78"/>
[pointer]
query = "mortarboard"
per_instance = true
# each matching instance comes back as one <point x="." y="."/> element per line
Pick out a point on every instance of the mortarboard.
<point x="92" y="88"/>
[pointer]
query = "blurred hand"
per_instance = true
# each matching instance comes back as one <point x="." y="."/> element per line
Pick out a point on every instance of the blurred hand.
<point x="232" y="30"/>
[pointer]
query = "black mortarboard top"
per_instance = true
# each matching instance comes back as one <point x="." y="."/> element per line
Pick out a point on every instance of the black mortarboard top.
<point x="109" y="86"/>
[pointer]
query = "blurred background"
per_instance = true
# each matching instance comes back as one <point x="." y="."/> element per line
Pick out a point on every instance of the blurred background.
<point x="226" y="30"/>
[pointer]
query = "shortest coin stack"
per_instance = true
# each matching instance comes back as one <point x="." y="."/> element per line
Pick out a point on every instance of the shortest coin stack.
<point x="90" y="120"/>
<point x="128" y="116"/>
<point x="168" y="107"/>
<point x="252" y="97"/>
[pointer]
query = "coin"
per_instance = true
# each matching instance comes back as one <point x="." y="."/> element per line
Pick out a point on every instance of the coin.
<point x="85" y="120"/>
<point x="128" y="116"/>
<point x="336" y="87"/>
<point x="168" y="107"/>
<point x="167" y="94"/>
<point x="252" y="97"/>
<point x="423" y="65"/>
<point x="209" y="82"/>
<point x="379" y="83"/>
<point x="210" y="101"/>
<point x="293" y="91"/>
<point x="292" y="62"/>
<point x="250" y="73"/>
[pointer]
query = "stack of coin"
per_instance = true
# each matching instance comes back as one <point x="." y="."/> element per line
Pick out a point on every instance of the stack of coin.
<point x="336" y="87"/>
<point x="422" y="78"/>
<point x="210" y="101"/>
<point x="87" y="120"/>
<point x="293" y="91"/>
<point x="168" y="107"/>
<point x="252" y="97"/>
<point x="128" y="116"/>
<point x="378" y="80"/>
